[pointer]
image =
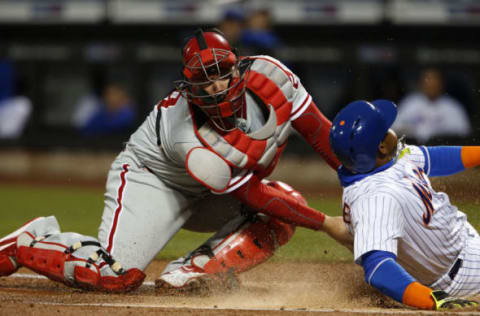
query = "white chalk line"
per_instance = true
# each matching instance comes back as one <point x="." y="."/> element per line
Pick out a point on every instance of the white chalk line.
<point x="205" y="308"/>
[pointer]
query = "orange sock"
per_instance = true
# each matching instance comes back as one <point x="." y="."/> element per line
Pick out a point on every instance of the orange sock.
<point x="470" y="156"/>
<point x="418" y="295"/>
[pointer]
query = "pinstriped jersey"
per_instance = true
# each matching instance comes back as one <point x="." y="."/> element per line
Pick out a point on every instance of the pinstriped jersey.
<point x="398" y="211"/>
<point x="177" y="134"/>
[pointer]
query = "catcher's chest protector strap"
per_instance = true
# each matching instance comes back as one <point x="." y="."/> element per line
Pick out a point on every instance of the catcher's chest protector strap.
<point x="256" y="150"/>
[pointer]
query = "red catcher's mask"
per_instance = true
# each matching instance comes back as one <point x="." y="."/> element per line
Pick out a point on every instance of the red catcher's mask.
<point x="208" y="58"/>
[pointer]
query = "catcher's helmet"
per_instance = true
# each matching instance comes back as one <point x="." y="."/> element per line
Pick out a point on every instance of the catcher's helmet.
<point x="208" y="57"/>
<point x="358" y="129"/>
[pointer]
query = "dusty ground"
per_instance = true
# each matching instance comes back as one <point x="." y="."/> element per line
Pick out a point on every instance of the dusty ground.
<point x="270" y="289"/>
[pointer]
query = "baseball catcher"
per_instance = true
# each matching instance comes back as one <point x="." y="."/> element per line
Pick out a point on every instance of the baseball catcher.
<point x="198" y="162"/>
<point x="413" y="244"/>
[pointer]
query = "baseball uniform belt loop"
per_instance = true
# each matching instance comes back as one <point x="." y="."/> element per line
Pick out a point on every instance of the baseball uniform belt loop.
<point x="454" y="270"/>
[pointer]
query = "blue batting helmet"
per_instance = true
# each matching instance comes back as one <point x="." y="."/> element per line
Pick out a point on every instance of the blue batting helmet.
<point x="358" y="129"/>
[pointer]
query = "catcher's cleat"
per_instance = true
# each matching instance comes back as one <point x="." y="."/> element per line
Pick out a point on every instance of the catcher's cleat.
<point x="190" y="280"/>
<point x="8" y="249"/>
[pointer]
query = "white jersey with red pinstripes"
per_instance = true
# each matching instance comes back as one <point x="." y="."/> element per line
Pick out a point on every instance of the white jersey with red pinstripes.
<point x="398" y="211"/>
<point x="178" y="137"/>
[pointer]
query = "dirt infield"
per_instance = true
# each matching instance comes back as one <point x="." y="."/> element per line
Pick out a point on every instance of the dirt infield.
<point x="270" y="289"/>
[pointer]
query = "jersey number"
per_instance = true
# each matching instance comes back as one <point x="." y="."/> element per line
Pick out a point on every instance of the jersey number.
<point x="420" y="185"/>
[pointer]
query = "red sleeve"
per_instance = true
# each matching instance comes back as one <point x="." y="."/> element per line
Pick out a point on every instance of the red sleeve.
<point x="271" y="201"/>
<point x="315" y="128"/>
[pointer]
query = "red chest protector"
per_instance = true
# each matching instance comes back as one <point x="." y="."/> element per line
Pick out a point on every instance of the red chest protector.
<point x="258" y="150"/>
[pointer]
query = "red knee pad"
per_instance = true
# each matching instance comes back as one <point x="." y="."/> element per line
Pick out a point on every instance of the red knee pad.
<point x="284" y="231"/>
<point x="249" y="247"/>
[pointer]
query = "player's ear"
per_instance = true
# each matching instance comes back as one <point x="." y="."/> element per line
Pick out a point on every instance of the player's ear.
<point x="388" y="145"/>
<point x="383" y="148"/>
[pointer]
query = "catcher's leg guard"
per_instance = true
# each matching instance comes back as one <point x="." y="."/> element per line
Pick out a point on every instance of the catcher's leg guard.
<point x="84" y="264"/>
<point x="70" y="258"/>
<point x="215" y="264"/>
<point x="8" y="244"/>
<point x="253" y="244"/>
<point x="239" y="246"/>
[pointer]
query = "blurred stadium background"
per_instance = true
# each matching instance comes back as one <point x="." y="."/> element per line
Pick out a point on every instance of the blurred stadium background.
<point x="58" y="53"/>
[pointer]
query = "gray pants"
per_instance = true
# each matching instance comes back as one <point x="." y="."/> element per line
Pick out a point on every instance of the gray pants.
<point x="142" y="214"/>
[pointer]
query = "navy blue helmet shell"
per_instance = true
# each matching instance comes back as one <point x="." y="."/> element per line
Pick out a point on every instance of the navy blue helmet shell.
<point x="358" y="129"/>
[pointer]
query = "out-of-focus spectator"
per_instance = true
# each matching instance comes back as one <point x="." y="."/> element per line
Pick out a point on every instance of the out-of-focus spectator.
<point x="14" y="115"/>
<point x="15" y="105"/>
<point x="232" y="26"/>
<point x="429" y="112"/>
<point x="85" y="109"/>
<point x="258" y="36"/>
<point x="113" y="113"/>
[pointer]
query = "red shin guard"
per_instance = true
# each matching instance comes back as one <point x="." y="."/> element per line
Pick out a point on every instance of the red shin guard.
<point x="253" y="244"/>
<point x="51" y="263"/>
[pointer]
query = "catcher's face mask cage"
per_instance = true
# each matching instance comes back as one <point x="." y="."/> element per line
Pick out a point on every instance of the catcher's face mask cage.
<point x="214" y="64"/>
